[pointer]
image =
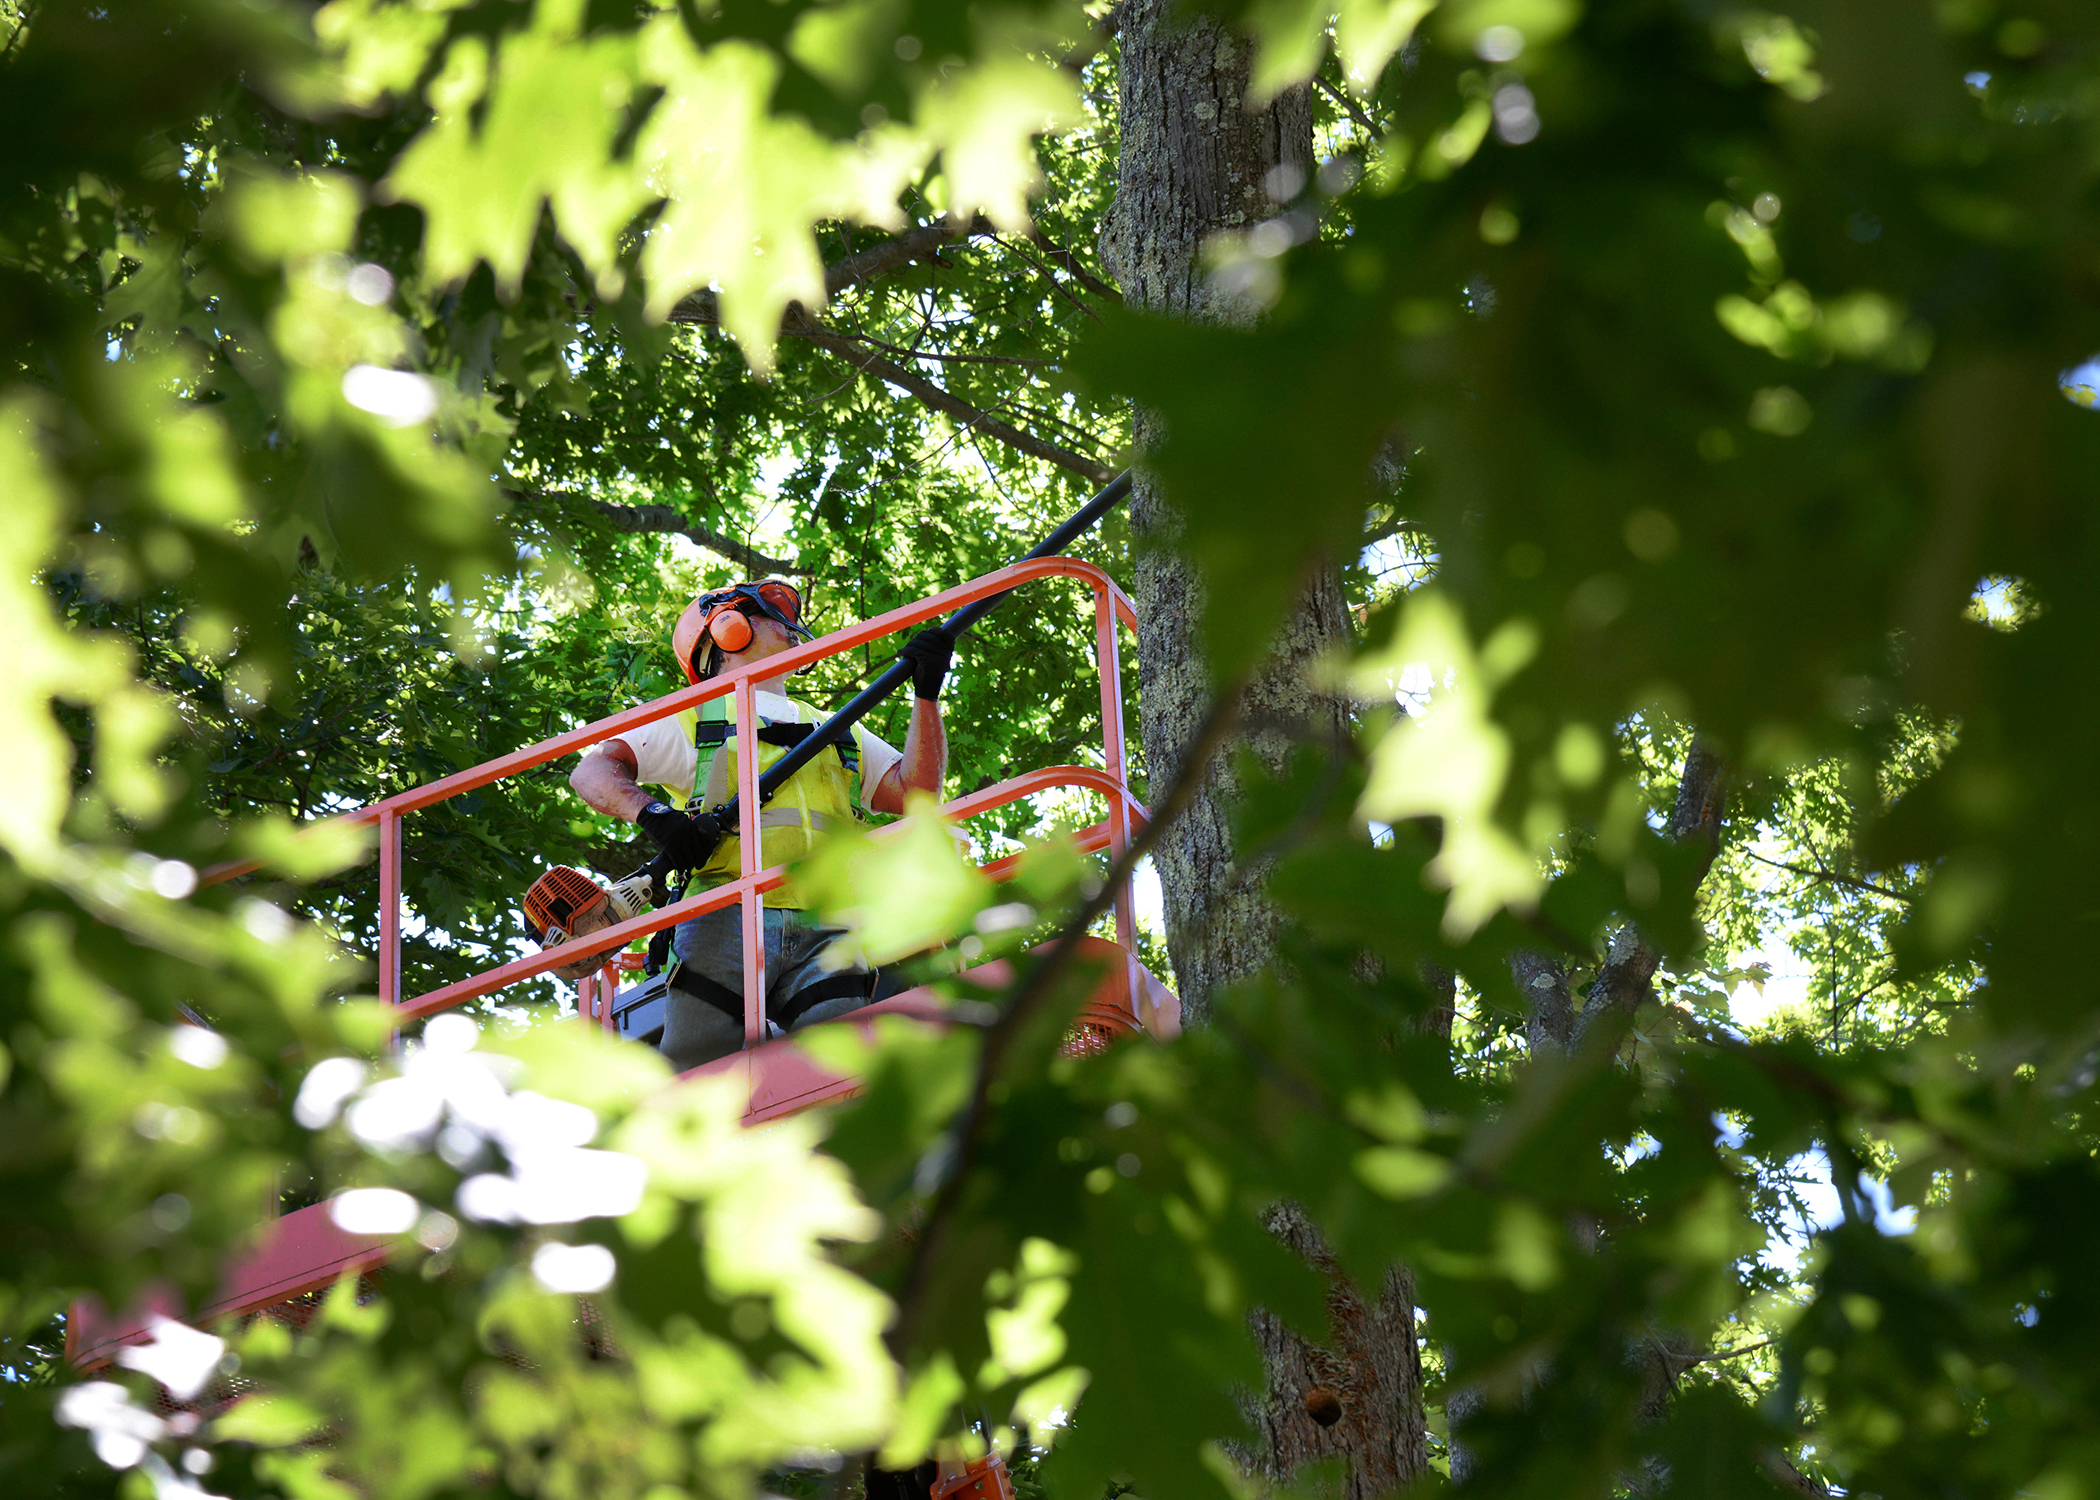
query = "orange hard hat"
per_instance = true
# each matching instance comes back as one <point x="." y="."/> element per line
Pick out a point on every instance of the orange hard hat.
<point x="722" y="617"/>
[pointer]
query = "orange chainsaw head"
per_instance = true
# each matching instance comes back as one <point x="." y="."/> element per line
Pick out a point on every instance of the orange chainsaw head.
<point x="983" y="1478"/>
<point x="722" y="619"/>
<point x="565" y="903"/>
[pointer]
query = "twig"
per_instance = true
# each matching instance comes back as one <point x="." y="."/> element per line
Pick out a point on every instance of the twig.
<point x="1707" y="1359"/>
<point x="1853" y="1005"/>
<point x="667" y="521"/>
<point x="1073" y="266"/>
<point x="1830" y="875"/>
<point x="1354" y="110"/>
<point x="941" y="400"/>
<point x="1056" y="286"/>
<point x="1048" y="419"/>
<point x="915" y="353"/>
<point x="968" y="1130"/>
<point x="989" y="472"/>
<point x="703" y="311"/>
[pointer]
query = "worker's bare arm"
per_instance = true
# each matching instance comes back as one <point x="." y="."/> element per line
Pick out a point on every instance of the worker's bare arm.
<point x="925" y="763"/>
<point x="604" y="778"/>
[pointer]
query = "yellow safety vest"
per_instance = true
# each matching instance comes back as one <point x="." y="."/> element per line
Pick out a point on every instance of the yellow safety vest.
<point x="814" y="799"/>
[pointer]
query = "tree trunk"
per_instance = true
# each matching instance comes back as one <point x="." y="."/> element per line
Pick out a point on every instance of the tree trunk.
<point x="1359" y="1399"/>
<point x="1554" y="1028"/>
<point x="1195" y="162"/>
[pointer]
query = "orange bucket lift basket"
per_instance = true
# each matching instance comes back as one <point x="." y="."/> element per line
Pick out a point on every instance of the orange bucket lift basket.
<point x="305" y="1251"/>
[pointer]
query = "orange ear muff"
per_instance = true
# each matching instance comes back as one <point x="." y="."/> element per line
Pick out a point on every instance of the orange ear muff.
<point x="730" y="629"/>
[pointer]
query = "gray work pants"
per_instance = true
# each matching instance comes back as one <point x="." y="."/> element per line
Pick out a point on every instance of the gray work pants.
<point x="711" y="947"/>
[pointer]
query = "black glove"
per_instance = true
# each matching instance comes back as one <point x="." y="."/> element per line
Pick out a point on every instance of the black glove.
<point x="931" y="652"/>
<point x="686" y="842"/>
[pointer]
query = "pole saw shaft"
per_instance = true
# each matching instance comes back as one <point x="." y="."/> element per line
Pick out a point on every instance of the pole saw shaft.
<point x="834" y="729"/>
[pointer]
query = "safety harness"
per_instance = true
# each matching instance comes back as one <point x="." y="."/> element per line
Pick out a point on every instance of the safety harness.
<point x="711" y="731"/>
<point x="866" y="984"/>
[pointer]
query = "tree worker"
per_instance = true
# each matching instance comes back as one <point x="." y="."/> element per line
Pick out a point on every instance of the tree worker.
<point x="692" y="756"/>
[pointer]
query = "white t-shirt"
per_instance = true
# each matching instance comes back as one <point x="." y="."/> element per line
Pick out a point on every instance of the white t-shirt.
<point x="664" y="754"/>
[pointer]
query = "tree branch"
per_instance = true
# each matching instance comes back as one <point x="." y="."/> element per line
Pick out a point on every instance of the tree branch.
<point x="1354" y="110"/>
<point x="868" y="362"/>
<point x="664" y="520"/>
<point x="1629" y="963"/>
<point x="1700" y="794"/>
<point x="1073" y="266"/>
<point x="1783" y="1472"/>
<point x="1707" y="1359"/>
<point x="923" y="243"/>
<point x="948" y="359"/>
<point x="1549" y="1006"/>
<point x="1057" y="287"/>
<point x="1830" y="875"/>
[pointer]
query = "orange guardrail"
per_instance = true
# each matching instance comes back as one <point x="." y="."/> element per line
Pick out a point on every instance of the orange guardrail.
<point x="1112" y="608"/>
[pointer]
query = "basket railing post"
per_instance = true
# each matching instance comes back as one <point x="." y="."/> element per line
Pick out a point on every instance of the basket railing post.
<point x="389" y="907"/>
<point x="753" y="860"/>
<point x="1108" y="657"/>
<point x="595" y="993"/>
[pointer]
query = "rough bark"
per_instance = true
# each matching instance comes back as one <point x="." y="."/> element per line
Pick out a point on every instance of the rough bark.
<point x="1549" y="1020"/>
<point x="1443" y="985"/>
<point x="1193" y="164"/>
<point x="1358" y="1399"/>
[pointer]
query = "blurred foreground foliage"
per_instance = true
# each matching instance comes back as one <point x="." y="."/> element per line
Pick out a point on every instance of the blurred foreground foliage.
<point x="1719" y="352"/>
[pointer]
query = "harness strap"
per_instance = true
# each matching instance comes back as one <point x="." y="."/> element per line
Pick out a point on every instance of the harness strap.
<point x="861" y="983"/>
<point x="791" y="817"/>
<point x="770" y="731"/>
<point x="712" y="730"/>
<point x="721" y="997"/>
<point x="853" y="982"/>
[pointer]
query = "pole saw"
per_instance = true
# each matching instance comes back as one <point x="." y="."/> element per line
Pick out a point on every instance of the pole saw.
<point x="565" y="903"/>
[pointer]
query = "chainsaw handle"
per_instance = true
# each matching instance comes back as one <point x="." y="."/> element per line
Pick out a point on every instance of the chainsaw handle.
<point x="660" y="869"/>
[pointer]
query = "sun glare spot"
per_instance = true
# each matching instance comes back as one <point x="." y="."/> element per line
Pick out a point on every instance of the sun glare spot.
<point x="2081" y="383"/>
